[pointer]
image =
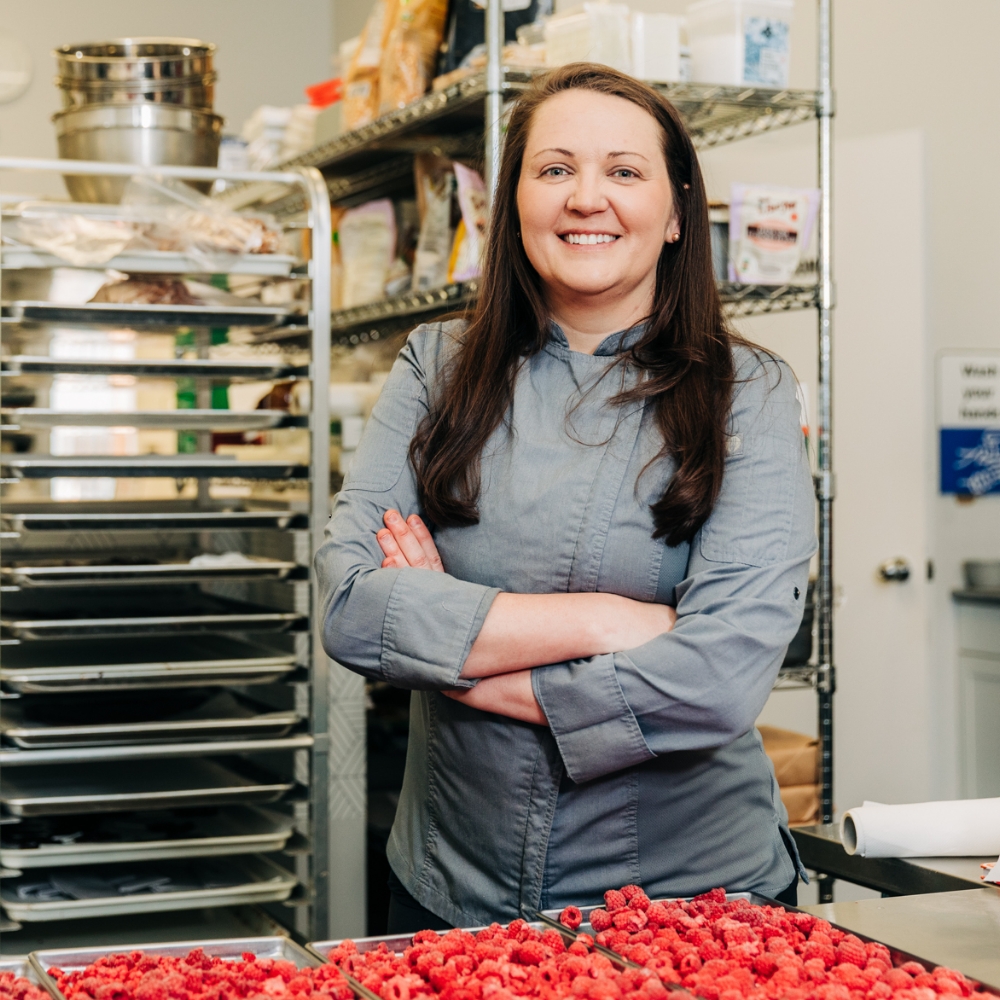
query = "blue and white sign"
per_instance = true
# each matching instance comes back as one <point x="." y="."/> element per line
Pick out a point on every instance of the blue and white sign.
<point x="969" y="422"/>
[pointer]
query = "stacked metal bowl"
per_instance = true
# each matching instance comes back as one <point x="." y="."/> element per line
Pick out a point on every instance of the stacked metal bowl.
<point x="135" y="100"/>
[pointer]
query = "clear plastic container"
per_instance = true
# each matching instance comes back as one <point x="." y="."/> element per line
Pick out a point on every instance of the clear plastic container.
<point x="740" y="42"/>
<point x="656" y="47"/>
<point x="593" y="32"/>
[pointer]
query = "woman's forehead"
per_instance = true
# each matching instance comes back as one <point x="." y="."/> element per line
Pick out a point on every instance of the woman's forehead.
<point x="586" y="123"/>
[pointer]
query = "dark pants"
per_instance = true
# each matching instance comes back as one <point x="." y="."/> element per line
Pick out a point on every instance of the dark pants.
<point x="407" y="916"/>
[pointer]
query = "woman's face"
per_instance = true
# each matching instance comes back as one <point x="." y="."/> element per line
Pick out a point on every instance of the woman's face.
<point x="594" y="198"/>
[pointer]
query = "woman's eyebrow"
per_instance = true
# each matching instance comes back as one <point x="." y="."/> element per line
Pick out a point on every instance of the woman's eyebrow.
<point x="562" y="152"/>
<point x="624" y="152"/>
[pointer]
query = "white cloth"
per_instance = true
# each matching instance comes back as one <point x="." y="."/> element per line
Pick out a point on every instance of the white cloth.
<point x="961" y="828"/>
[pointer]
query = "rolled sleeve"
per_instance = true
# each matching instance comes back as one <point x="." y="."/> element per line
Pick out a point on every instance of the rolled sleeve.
<point x="593" y="725"/>
<point x="411" y="627"/>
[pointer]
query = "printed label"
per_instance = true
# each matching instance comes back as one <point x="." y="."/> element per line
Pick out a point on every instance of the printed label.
<point x="765" y="51"/>
<point x="969" y="422"/>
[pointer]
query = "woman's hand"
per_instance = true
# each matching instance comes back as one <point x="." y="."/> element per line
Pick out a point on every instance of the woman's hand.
<point x="504" y="694"/>
<point x="407" y="543"/>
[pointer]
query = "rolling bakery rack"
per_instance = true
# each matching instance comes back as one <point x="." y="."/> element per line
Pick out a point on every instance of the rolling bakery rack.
<point x="465" y="120"/>
<point x="165" y="698"/>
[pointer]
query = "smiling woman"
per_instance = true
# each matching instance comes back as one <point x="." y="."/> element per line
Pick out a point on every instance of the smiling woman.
<point x="578" y="528"/>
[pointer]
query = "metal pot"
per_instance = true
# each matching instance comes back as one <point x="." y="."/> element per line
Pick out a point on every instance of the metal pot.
<point x="147" y="134"/>
<point x="133" y="59"/>
<point x="189" y="91"/>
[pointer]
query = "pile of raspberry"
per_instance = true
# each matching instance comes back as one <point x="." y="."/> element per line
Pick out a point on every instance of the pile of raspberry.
<point x="197" y="976"/>
<point x="18" y="988"/>
<point x="734" y="950"/>
<point x="497" y="963"/>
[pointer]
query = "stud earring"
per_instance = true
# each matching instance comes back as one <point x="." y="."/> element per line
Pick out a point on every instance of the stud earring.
<point x="675" y="237"/>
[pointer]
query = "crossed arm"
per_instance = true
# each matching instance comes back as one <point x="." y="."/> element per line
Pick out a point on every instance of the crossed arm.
<point x="523" y="631"/>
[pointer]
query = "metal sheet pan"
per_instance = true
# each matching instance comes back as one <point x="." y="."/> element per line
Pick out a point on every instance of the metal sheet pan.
<point x="232" y="949"/>
<point x="215" y="832"/>
<point x="106" y="612"/>
<point x="142" y="516"/>
<point x="58" y="790"/>
<point x="249" y="368"/>
<point x="20" y="966"/>
<point x="265" y="882"/>
<point x="221" y="717"/>
<point x="28" y="466"/>
<point x="162" y="262"/>
<point x="208" y="420"/>
<point x="89" y="573"/>
<point x="69" y="666"/>
<point x="140" y="314"/>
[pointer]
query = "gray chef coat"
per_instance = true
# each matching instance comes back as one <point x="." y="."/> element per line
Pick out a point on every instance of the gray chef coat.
<point x="651" y="770"/>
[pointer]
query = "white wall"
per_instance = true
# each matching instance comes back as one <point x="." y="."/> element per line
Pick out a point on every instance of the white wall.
<point x="268" y="51"/>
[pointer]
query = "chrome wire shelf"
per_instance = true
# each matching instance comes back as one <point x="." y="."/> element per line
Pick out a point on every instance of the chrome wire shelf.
<point x="755" y="300"/>
<point x="797" y="678"/>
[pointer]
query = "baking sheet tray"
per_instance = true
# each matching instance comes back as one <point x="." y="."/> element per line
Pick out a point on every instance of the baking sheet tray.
<point x="141" y="516"/>
<point x="231" y="949"/>
<point x="141" y="314"/>
<point x="223" y="716"/>
<point x="107" y="612"/>
<point x="271" y="265"/>
<point x="200" y="466"/>
<point x="93" y="572"/>
<point x="180" y="419"/>
<point x="62" y="665"/>
<point x="60" y="790"/>
<point x="193" y="833"/>
<point x="261" y="881"/>
<point x="265" y="369"/>
<point x="20" y="966"/>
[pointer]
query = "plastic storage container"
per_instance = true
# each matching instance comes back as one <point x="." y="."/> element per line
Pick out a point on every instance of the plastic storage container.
<point x="656" y="47"/>
<point x="593" y="32"/>
<point x="740" y="41"/>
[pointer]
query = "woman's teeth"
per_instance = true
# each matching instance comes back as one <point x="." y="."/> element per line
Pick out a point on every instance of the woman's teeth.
<point x="589" y="238"/>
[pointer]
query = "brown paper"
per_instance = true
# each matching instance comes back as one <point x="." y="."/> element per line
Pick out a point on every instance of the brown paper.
<point x="795" y="756"/>
<point x="802" y="803"/>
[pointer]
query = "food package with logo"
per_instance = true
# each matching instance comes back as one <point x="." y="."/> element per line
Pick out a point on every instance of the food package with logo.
<point x="361" y="81"/>
<point x="410" y="52"/>
<point x="467" y="251"/>
<point x="435" y="182"/>
<point x="769" y="231"/>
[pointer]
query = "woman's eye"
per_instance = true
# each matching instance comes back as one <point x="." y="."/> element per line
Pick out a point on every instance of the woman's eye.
<point x="554" y="172"/>
<point x="625" y="172"/>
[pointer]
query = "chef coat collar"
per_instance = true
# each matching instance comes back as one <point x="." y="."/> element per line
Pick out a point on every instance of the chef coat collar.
<point x="614" y="343"/>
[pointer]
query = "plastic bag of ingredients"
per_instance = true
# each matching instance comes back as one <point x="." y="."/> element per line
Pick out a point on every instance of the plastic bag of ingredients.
<point x="467" y="251"/>
<point x="411" y="52"/>
<point x="367" y="236"/>
<point x="400" y="277"/>
<point x="361" y="81"/>
<point x="769" y="230"/>
<point x="466" y="26"/>
<point x="58" y="229"/>
<point x="435" y="181"/>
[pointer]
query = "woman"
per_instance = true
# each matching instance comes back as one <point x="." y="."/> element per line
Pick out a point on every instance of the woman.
<point x="622" y="525"/>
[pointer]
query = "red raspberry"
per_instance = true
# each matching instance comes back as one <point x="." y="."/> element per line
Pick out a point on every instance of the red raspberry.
<point x="852" y="951"/>
<point x="586" y="940"/>
<point x="765" y="965"/>
<point x="817" y="949"/>
<point x="531" y="953"/>
<point x="713" y="896"/>
<point x="897" y="979"/>
<point x="913" y="968"/>
<point x="816" y="971"/>
<point x="630" y="920"/>
<point x="639" y="901"/>
<point x="710" y="949"/>
<point x="600" y="920"/>
<point x="628" y="891"/>
<point x="614" y="899"/>
<point x="553" y="940"/>
<point x="571" y="917"/>
<point x="658" y="914"/>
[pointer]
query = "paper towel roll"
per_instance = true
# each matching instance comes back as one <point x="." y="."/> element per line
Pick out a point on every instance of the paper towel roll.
<point x="962" y="828"/>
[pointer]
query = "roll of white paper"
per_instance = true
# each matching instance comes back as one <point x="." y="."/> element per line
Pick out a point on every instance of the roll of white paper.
<point x="962" y="828"/>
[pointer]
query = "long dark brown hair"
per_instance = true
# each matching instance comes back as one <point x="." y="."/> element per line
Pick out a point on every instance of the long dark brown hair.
<point x="684" y="354"/>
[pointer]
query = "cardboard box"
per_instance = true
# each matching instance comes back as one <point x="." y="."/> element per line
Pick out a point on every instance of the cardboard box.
<point x="795" y="756"/>
<point x="802" y="803"/>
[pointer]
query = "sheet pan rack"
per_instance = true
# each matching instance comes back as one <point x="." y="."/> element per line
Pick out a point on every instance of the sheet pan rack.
<point x="172" y="636"/>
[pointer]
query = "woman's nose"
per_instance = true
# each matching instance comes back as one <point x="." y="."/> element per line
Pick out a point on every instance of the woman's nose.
<point x="587" y="195"/>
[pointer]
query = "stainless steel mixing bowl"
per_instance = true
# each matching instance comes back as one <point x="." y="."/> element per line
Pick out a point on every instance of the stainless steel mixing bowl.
<point x="132" y="59"/>
<point x="189" y="91"/>
<point x="146" y="134"/>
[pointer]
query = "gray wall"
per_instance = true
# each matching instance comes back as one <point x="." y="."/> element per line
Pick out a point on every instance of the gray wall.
<point x="268" y="51"/>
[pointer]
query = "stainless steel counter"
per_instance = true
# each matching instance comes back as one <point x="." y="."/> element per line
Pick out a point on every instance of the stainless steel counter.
<point x="822" y="851"/>
<point x="958" y="929"/>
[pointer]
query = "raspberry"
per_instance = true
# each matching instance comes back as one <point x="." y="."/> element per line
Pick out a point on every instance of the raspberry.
<point x="913" y="968"/>
<point x="710" y="949"/>
<point x="553" y="940"/>
<point x="658" y="914"/>
<point x="531" y="953"/>
<point x="713" y="896"/>
<point x="614" y="899"/>
<point x="571" y="917"/>
<point x="600" y="920"/>
<point x="639" y="901"/>
<point x="586" y="940"/>
<point x="820" y="950"/>
<point x="897" y="979"/>
<point x="852" y="951"/>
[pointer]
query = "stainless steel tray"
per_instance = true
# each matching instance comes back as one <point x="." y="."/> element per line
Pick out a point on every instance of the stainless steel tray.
<point x="61" y="573"/>
<point x="142" y="516"/>
<point x="145" y="315"/>
<point x="20" y="966"/>
<point x="105" y="612"/>
<point x="265" y="882"/>
<point x="231" y="949"/>
<point x="62" y="665"/>
<point x="208" y="420"/>
<point x="220" y="717"/>
<point x="249" y="368"/>
<point x="147" y="466"/>
<point x="162" y="262"/>
<point x="218" y="832"/>
<point x="58" y="790"/>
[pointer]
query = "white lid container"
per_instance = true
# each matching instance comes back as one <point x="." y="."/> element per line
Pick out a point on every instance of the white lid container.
<point x="593" y="32"/>
<point x="740" y="42"/>
<point x="656" y="47"/>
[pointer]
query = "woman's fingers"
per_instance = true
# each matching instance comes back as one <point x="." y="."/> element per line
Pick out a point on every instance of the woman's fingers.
<point x="408" y="545"/>
<point x="423" y="536"/>
<point x="394" y="559"/>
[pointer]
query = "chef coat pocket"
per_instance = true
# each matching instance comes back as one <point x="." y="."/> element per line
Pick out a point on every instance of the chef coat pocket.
<point x="383" y="451"/>
<point x="752" y="519"/>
